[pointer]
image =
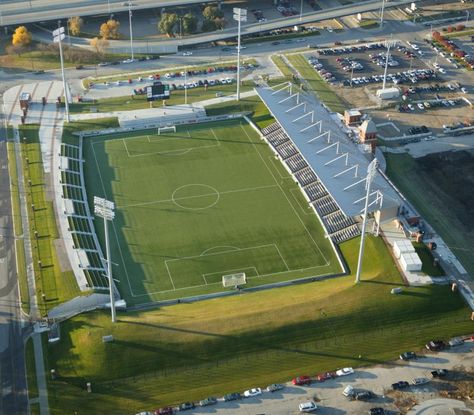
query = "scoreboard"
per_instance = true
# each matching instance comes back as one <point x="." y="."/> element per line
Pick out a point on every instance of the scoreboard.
<point x="157" y="91"/>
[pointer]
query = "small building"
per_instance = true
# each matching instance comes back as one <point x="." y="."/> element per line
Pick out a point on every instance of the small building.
<point x="410" y="261"/>
<point x="368" y="133"/>
<point x="352" y="117"/>
<point x="402" y="246"/>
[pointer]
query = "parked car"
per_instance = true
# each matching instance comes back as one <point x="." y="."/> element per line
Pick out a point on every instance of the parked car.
<point x="408" y="356"/>
<point x="232" y="396"/>
<point x="307" y="406"/>
<point x="208" y="401"/>
<point x="364" y="395"/>
<point x="187" y="53"/>
<point x="439" y="373"/>
<point x="376" y="411"/>
<point x="345" y="371"/>
<point x="301" y="380"/>
<point x="252" y="392"/>
<point x="400" y="385"/>
<point x="325" y="376"/>
<point x="457" y="341"/>
<point x="435" y="345"/>
<point x="186" y="406"/>
<point x="164" y="411"/>
<point x="420" y="381"/>
<point x="274" y="387"/>
<point x="348" y="391"/>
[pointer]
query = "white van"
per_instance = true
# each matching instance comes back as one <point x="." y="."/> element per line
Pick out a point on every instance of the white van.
<point x="307" y="406"/>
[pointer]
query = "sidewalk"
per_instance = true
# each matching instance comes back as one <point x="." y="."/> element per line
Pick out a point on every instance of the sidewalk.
<point x="40" y="375"/>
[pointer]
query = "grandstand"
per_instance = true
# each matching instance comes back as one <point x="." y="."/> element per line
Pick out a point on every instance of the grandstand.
<point x="329" y="168"/>
<point x="87" y="250"/>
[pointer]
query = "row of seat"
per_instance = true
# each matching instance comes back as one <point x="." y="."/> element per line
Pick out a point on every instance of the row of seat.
<point x="339" y="226"/>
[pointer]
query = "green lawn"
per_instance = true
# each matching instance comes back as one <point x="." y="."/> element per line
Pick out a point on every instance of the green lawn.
<point x="31" y="369"/>
<point x="427" y="260"/>
<point x="193" y="206"/>
<point x="259" y="112"/>
<point x="132" y="102"/>
<point x="190" y="351"/>
<point x="52" y="286"/>
<point x="316" y="84"/>
<point x="368" y="24"/>
<point x="282" y="66"/>
<point x="433" y="200"/>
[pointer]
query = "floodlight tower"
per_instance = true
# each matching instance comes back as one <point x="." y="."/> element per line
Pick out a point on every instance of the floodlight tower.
<point x="240" y="15"/>
<point x="130" y="4"/>
<point x="389" y="44"/>
<point x="58" y="36"/>
<point x="371" y="172"/>
<point x="105" y="209"/>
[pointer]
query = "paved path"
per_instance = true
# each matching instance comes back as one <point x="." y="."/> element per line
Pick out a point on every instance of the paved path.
<point x="40" y="375"/>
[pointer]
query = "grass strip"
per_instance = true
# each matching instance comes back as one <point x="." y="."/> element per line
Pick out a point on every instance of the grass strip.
<point x="52" y="286"/>
<point x="282" y="66"/>
<point x="368" y="24"/>
<point x="190" y="351"/>
<point x="134" y="102"/>
<point x="317" y="84"/>
<point x="283" y="36"/>
<point x="15" y="195"/>
<point x="22" y="275"/>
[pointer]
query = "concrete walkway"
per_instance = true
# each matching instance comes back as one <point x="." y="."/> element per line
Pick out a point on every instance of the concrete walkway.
<point x="40" y="375"/>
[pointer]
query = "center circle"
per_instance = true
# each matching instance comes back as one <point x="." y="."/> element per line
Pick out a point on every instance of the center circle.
<point x="195" y="196"/>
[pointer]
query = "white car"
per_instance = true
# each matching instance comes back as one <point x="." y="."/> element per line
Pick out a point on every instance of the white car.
<point x="464" y="90"/>
<point x="456" y="342"/>
<point x="345" y="371"/>
<point x="187" y="53"/>
<point x="420" y="106"/>
<point x="411" y="107"/>
<point x="420" y="381"/>
<point x="307" y="406"/>
<point x="436" y="65"/>
<point x="252" y="392"/>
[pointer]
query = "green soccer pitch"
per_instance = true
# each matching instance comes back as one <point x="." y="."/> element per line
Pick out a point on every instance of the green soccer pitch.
<point x="196" y="204"/>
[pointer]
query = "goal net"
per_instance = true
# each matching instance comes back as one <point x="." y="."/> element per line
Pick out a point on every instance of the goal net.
<point x="168" y="129"/>
<point x="234" y="280"/>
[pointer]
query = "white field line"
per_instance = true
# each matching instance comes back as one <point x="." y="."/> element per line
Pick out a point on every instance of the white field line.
<point x="286" y="197"/>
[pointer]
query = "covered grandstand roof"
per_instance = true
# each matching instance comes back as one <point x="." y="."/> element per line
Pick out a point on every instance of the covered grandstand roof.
<point x="322" y="140"/>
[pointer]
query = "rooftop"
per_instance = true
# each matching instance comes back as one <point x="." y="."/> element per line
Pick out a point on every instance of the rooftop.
<point x="322" y="139"/>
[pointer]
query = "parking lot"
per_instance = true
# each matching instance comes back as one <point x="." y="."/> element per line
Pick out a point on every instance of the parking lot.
<point x="329" y="398"/>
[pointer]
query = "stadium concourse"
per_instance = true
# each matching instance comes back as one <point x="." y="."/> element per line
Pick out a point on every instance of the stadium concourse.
<point x="330" y="168"/>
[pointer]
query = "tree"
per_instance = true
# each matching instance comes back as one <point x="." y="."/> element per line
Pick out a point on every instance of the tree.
<point x="99" y="45"/>
<point x="211" y="12"/>
<point x="220" y="22"/>
<point x="208" y="25"/>
<point x="75" y="25"/>
<point x="110" y="29"/>
<point x="21" y="37"/>
<point x="189" y="23"/>
<point x="168" y="23"/>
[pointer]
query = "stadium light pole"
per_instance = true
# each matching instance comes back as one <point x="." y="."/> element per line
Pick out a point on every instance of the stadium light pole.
<point x="58" y="36"/>
<point x="105" y="209"/>
<point x="389" y="44"/>
<point x="240" y="15"/>
<point x="381" y="13"/>
<point x="185" y="87"/>
<point x="130" y="23"/>
<point x="371" y="172"/>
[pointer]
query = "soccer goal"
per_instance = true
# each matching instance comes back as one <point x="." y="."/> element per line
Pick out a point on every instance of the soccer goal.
<point x="167" y="129"/>
<point x="234" y="280"/>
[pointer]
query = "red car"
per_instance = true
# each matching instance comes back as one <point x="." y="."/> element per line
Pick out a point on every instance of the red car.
<point x="164" y="411"/>
<point x="301" y="380"/>
<point x="326" y="376"/>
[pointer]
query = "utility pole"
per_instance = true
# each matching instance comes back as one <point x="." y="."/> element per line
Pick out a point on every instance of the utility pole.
<point x="240" y="15"/>
<point x="130" y="23"/>
<point x="105" y="209"/>
<point x="381" y="13"/>
<point x="185" y="86"/>
<point x="371" y="172"/>
<point x="58" y="36"/>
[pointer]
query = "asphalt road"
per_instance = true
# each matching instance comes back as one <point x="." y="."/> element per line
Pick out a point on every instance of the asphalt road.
<point x="13" y="392"/>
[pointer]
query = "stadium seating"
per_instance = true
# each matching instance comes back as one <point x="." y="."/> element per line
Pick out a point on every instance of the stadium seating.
<point x="339" y="226"/>
<point x="80" y="225"/>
